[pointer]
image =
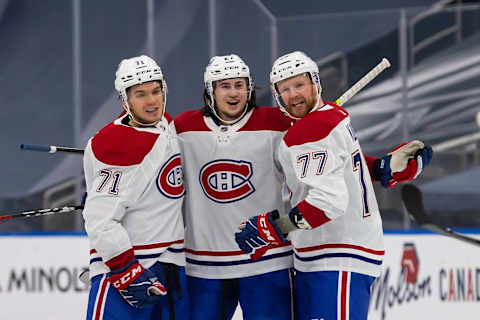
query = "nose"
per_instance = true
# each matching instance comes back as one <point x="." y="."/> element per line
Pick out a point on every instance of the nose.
<point x="293" y="94"/>
<point x="151" y="99"/>
<point x="233" y="92"/>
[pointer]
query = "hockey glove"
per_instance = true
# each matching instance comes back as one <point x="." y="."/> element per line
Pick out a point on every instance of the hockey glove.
<point x="258" y="233"/>
<point x="404" y="163"/>
<point x="137" y="285"/>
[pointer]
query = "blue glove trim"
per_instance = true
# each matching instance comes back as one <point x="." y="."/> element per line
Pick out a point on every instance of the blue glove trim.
<point x="385" y="170"/>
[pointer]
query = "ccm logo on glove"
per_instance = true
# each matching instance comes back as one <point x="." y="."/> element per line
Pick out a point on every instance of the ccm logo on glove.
<point x="263" y="226"/>
<point x="127" y="277"/>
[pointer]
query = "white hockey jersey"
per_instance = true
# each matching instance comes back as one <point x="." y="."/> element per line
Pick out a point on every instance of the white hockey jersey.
<point x="330" y="183"/>
<point x="135" y="194"/>
<point x="231" y="174"/>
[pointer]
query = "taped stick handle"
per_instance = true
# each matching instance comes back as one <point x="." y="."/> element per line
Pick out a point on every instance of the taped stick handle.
<point x="49" y="149"/>
<point x="41" y="212"/>
<point x="372" y="74"/>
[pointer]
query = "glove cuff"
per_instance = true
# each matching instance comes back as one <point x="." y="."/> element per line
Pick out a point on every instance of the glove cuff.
<point x="268" y="229"/>
<point x="121" y="278"/>
<point x="385" y="170"/>
<point x="376" y="172"/>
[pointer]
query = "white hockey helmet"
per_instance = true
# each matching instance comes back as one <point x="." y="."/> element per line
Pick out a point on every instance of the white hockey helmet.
<point x="226" y="67"/>
<point x="291" y="65"/>
<point x="138" y="70"/>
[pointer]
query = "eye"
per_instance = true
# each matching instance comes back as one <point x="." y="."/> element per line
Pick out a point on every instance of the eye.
<point x="300" y="86"/>
<point x="225" y="86"/>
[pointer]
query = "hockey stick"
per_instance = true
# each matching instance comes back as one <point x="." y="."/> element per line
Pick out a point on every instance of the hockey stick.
<point x="41" y="212"/>
<point x="372" y="74"/>
<point x="461" y="141"/>
<point x="412" y="198"/>
<point x="49" y="149"/>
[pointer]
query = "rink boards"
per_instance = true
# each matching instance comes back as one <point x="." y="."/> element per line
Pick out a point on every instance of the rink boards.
<point x="39" y="277"/>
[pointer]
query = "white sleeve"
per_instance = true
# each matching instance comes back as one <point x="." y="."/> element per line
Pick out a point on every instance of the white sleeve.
<point x="111" y="190"/>
<point x="320" y="167"/>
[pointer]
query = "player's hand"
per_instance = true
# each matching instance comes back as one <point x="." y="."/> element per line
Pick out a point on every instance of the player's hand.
<point x="137" y="286"/>
<point x="404" y="163"/>
<point x="258" y="233"/>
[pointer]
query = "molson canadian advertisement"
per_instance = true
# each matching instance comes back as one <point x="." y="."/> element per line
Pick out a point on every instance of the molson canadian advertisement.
<point x="427" y="276"/>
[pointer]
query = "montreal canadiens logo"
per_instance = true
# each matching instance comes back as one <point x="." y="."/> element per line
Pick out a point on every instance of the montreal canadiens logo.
<point x="170" y="178"/>
<point x="226" y="181"/>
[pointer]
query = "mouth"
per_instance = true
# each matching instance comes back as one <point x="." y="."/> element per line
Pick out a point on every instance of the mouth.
<point x="152" y="110"/>
<point x="233" y="103"/>
<point x="298" y="104"/>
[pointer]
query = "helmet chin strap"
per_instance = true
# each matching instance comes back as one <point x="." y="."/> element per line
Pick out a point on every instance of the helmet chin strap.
<point x="318" y="99"/>
<point x="140" y="123"/>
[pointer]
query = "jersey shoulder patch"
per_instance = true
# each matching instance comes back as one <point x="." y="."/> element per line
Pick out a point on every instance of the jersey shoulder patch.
<point x="315" y="126"/>
<point x="120" y="145"/>
<point x="267" y="118"/>
<point x="190" y="121"/>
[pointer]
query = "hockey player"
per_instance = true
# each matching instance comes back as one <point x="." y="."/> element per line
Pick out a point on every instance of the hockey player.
<point x="132" y="213"/>
<point x="335" y="225"/>
<point x="230" y="170"/>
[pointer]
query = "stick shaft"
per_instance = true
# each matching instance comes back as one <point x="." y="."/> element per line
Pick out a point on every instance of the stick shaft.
<point x="413" y="200"/>
<point x="49" y="149"/>
<point x="450" y="233"/>
<point x="372" y="74"/>
<point x="40" y="212"/>
<point x="457" y="142"/>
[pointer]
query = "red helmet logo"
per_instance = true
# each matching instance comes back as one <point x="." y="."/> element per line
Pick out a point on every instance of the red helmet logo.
<point x="170" y="178"/>
<point x="226" y="181"/>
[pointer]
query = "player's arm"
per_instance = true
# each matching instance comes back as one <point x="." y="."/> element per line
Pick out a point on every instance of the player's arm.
<point x="404" y="163"/>
<point x="318" y="165"/>
<point x="110" y="191"/>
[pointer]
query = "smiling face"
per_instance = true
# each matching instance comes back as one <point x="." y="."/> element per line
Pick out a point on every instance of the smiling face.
<point x="299" y="95"/>
<point x="146" y="103"/>
<point x="231" y="97"/>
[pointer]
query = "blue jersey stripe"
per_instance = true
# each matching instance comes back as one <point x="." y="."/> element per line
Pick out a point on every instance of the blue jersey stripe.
<point x="144" y="256"/>
<point x="238" y="262"/>
<point x="98" y="259"/>
<point x="338" y="255"/>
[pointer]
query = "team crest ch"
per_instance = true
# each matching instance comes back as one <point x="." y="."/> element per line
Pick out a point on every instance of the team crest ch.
<point x="226" y="181"/>
<point x="170" y="178"/>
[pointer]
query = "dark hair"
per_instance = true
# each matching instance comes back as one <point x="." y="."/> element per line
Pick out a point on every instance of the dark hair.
<point x="206" y="111"/>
